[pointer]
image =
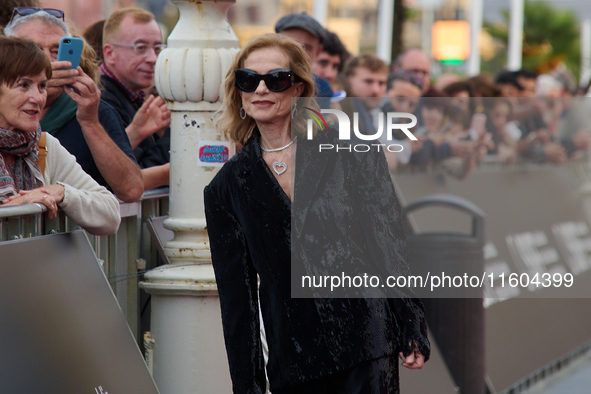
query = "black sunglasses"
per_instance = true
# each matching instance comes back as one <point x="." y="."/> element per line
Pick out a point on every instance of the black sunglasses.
<point x="276" y="80"/>
<point x="24" y="11"/>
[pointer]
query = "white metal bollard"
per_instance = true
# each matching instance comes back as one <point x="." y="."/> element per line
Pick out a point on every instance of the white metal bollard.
<point x="189" y="353"/>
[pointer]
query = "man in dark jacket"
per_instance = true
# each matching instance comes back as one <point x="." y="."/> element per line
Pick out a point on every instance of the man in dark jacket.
<point x="132" y="41"/>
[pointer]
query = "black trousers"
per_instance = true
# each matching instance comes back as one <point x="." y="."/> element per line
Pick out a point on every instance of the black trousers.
<point x="378" y="376"/>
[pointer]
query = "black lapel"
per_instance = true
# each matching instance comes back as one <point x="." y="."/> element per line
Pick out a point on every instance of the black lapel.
<point x="263" y="190"/>
<point x="311" y="165"/>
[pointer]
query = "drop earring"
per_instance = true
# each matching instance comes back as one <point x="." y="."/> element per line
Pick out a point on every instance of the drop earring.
<point x="242" y="113"/>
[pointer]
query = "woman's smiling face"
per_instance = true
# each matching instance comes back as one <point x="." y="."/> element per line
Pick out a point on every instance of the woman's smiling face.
<point x="263" y="105"/>
<point x="21" y="103"/>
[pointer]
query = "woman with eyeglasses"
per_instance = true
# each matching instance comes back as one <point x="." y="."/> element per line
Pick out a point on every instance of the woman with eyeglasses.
<point x="24" y="71"/>
<point x="271" y="211"/>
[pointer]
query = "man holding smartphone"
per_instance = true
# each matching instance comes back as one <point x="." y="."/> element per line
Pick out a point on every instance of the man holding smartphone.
<point x="85" y="125"/>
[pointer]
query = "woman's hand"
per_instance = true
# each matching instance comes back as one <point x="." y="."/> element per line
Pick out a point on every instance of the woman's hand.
<point x="50" y="196"/>
<point x="56" y="190"/>
<point x="415" y="360"/>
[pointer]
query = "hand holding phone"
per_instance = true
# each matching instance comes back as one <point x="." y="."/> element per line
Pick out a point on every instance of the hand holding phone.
<point x="70" y="50"/>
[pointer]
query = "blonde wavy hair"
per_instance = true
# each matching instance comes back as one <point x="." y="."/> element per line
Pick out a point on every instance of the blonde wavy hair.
<point x="239" y="130"/>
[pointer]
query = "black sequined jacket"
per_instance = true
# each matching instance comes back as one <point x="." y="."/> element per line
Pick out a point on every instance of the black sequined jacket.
<point x="249" y="221"/>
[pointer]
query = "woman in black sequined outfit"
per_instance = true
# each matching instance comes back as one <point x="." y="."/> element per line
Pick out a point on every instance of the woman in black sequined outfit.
<point x="258" y="224"/>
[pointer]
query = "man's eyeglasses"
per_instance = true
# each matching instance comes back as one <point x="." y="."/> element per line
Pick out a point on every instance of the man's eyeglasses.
<point x="141" y="49"/>
<point x="24" y="11"/>
<point x="276" y="80"/>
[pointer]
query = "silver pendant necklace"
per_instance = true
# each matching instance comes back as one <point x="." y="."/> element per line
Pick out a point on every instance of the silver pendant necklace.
<point x="279" y="166"/>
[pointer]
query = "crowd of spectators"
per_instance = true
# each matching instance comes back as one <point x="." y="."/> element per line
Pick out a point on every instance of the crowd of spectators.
<point x="117" y="130"/>
<point x="102" y="117"/>
<point x="515" y="116"/>
<point x="461" y="122"/>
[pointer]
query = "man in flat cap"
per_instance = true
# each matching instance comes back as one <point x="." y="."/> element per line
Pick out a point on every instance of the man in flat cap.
<point x="310" y="34"/>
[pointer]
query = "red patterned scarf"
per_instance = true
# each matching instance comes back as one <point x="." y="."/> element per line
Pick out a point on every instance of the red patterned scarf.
<point x="27" y="174"/>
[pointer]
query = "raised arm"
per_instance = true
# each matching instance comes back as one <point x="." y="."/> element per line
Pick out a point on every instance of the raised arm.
<point x="119" y="171"/>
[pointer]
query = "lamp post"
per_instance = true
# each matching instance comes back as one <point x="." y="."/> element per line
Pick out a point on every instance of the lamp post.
<point x="385" y="28"/>
<point x="585" y="52"/>
<point x="515" y="47"/>
<point x="189" y="353"/>
<point x="476" y="10"/>
<point x="320" y="11"/>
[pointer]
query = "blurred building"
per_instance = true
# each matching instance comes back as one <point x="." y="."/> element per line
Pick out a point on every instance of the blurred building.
<point x="355" y="21"/>
<point x="346" y="18"/>
<point x="80" y="13"/>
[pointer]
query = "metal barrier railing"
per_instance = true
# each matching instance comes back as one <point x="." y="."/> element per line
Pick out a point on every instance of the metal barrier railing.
<point x="538" y="378"/>
<point x="124" y="256"/>
<point x="22" y="221"/>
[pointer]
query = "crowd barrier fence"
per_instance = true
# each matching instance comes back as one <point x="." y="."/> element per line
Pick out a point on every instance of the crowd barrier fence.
<point x="123" y="256"/>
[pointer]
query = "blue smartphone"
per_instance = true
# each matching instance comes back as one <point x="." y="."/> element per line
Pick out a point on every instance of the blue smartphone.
<point x="70" y="49"/>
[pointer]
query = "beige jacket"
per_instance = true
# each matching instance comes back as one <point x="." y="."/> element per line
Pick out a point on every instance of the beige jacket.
<point x="90" y="205"/>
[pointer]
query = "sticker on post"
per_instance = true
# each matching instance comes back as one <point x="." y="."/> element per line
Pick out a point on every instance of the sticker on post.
<point x="213" y="153"/>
